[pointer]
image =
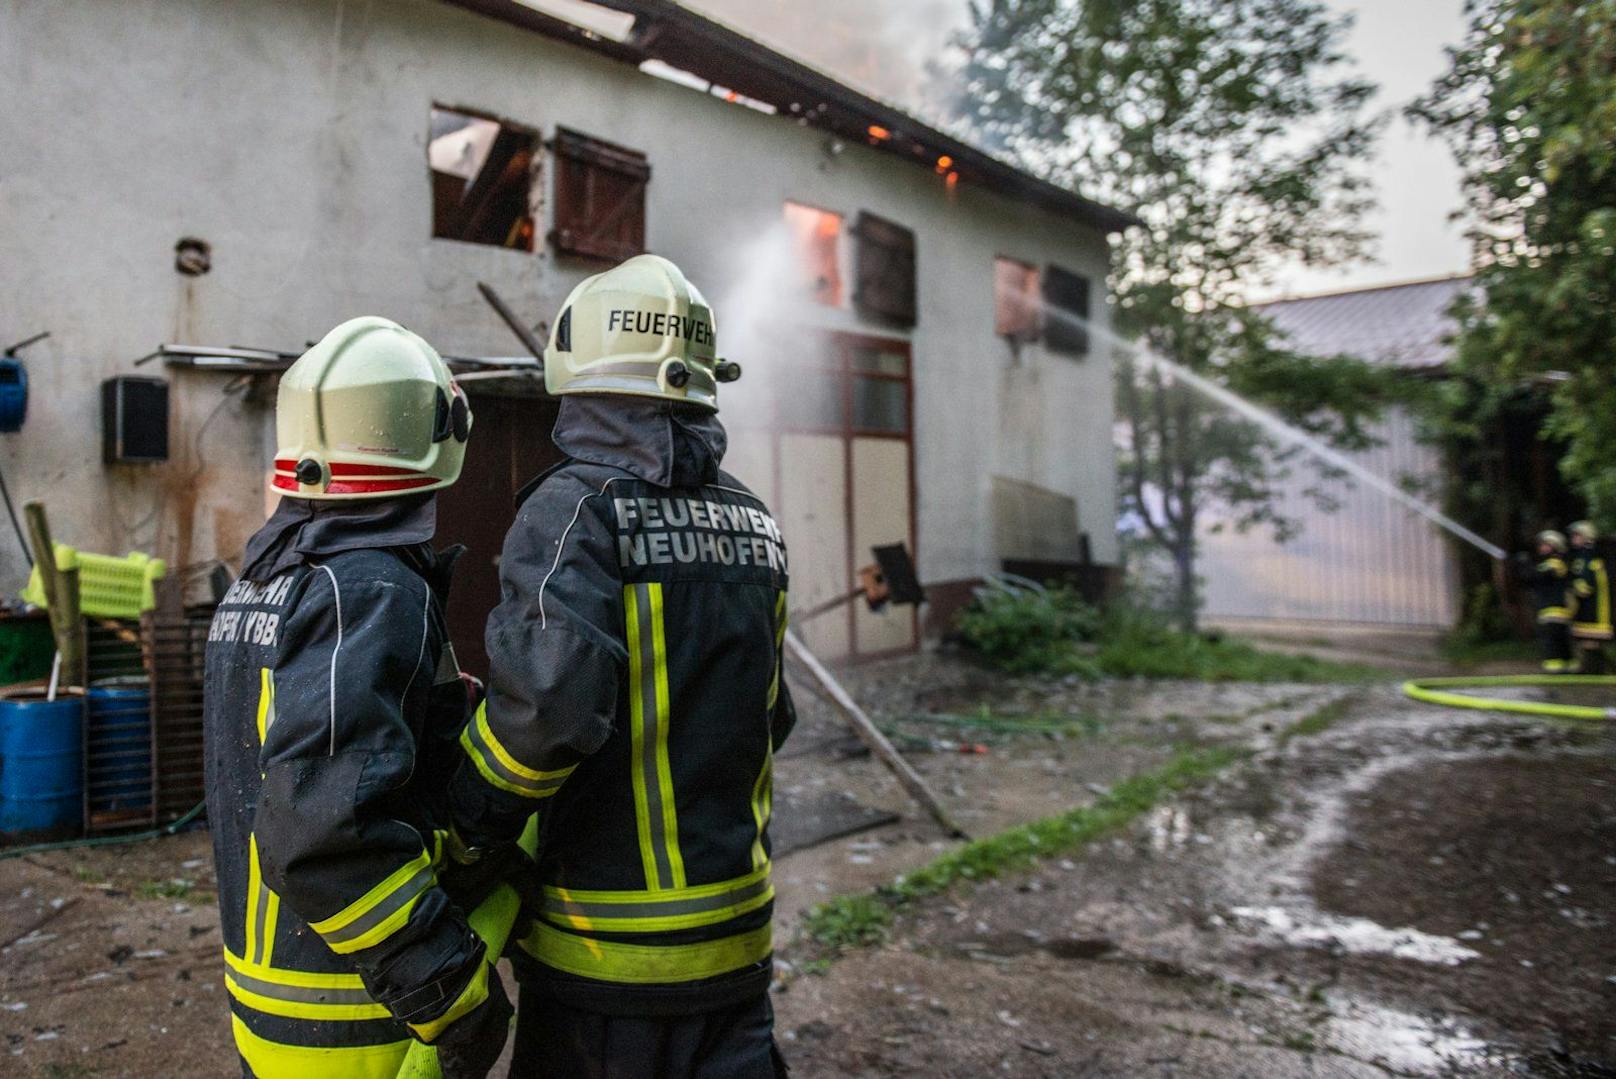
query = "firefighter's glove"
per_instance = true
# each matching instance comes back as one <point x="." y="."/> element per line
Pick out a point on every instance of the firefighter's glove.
<point x="471" y="876"/>
<point x="471" y="1046"/>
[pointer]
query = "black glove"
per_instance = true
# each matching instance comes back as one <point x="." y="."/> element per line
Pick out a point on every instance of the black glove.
<point x="468" y="883"/>
<point x="472" y="1044"/>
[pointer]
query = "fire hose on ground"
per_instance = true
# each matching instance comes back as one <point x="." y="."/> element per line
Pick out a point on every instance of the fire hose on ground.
<point x="1442" y="691"/>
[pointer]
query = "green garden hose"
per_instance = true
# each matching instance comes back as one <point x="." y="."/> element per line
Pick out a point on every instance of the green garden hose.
<point x="1439" y="691"/>
<point x="171" y="828"/>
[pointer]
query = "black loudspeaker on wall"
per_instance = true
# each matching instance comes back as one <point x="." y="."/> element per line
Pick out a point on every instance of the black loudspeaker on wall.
<point x="134" y="419"/>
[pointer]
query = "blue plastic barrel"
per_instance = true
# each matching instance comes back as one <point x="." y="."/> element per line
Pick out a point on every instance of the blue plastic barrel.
<point x="119" y="770"/>
<point x="41" y="756"/>
<point x="13" y="394"/>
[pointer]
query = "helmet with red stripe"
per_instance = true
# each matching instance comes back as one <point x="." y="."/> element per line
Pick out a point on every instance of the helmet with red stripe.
<point x="369" y="412"/>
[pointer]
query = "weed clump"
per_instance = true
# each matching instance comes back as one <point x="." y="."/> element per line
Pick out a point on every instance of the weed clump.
<point x="1052" y="631"/>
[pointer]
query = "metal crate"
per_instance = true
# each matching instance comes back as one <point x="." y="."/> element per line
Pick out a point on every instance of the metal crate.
<point x="143" y="752"/>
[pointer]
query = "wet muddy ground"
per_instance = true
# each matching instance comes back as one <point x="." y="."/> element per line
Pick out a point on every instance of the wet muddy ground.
<point x="1408" y="890"/>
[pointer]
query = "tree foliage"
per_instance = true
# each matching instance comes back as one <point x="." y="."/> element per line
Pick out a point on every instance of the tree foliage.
<point x="1529" y="106"/>
<point x="1235" y="133"/>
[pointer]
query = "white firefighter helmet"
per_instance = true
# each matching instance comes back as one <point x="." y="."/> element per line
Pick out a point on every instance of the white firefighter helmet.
<point x="1585" y="531"/>
<point x="641" y="329"/>
<point x="369" y="412"/>
<point x="1552" y="538"/>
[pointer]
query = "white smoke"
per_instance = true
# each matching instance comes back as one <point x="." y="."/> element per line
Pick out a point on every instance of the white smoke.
<point x="883" y="48"/>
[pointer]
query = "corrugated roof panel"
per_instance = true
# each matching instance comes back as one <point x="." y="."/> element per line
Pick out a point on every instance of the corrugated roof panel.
<point x="1397" y="325"/>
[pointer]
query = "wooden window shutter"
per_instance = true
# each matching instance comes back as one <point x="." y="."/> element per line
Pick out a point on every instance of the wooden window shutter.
<point x="884" y="270"/>
<point x="1068" y="292"/>
<point x="599" y="198"/>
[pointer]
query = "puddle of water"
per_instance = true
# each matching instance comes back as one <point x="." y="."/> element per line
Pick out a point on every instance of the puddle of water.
<point x="1360" y="936"/>
<point x="1404" y="1042"/>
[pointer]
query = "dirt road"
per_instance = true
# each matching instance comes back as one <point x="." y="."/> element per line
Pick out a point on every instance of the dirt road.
<point x="1405" y="890"/>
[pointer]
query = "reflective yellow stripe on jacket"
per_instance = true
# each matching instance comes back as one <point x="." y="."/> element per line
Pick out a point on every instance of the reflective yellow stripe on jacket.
<point x="1599" y="626"/>
<point x="660" y="911"/>
<point x="263" y="905"/>
<point x="763" y="786"/>
<point x="380" y="912"/>
<point x="296" y="994"/>
<point x="272" y="1060"/>
<point x="655" y="814"/>
<point x="496" y="764"/>
<point x="263" y="909"/>
<point x="646" y="964"/>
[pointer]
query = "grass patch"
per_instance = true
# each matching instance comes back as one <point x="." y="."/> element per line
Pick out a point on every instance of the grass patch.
<point x="1320" y="719"/>
<point x="849" y="921"/>
<point x="166" y="889"/>
<point x="1055" y="632"/>
<point x="1464" y="650"/>
<point x="1165" y="653"/>
<point x="866" y="918"/>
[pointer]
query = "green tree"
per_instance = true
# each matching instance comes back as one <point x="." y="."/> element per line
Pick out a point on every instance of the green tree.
<point x="1529" y="106"/>
<point x="1233" y="130"/>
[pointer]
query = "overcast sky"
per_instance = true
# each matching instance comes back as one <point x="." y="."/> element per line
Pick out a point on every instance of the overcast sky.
<point x="883" y="46"/>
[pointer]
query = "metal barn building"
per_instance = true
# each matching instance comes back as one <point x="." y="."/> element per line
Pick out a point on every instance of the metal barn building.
<point x="1371" y="562"/>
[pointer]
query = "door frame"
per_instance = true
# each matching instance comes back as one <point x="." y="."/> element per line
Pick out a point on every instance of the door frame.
<point x="839" y="347"/>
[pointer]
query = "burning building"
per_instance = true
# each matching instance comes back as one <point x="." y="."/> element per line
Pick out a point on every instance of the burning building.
<point x="194" y="191"/>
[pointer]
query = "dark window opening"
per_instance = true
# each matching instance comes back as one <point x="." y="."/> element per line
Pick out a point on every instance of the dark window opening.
<point x="880" y="405"/>
<point x="879" y="387"/>
<point x="599" y="198"/>
<point x="482" y="179"/>
<point x="884" y="272"/>
<point x="1018" y="305"/>
<point x="1066" y="311"/>
<point x="816" y="237"/>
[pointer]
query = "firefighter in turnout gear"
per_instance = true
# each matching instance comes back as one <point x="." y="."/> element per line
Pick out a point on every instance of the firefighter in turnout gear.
<point x="332" y="708"/>
<point x="1548" y="583"/>
<point x="1590" y="626"/>
<point x="635" y="704"/>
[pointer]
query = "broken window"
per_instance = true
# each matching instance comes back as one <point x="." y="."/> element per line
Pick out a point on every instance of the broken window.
<point x="885" y="271"/>
<point x="816" y="236"/>
<point x="1017" y="301"/>
<point x="482" y="179"/>
<point x="1066" y="303"/>
<point x="599" y="198"/>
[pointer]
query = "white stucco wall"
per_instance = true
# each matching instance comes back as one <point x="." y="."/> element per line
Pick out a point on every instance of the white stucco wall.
<point x="292" y="137"/>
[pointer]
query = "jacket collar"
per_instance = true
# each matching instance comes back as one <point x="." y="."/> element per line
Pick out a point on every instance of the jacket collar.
<point x="302" y="530"/>
<point x="660" y="442"/>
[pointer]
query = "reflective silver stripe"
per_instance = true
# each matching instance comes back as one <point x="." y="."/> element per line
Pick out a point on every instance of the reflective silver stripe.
<point x="336" y="595"/>
<point x="260" y="922"/>
<point x="654" y="908"/>
<point x="298" y="993"/>
<point x="534" y="788"/>
<point x="577" y="511"/>
<point x="653" y="734"/>
<point x="417" y="883"/>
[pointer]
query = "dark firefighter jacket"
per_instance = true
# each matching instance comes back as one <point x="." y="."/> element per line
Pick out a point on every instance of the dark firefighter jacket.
<point x="1591" y="586"/>
<point x="1547" y="582"/>
<point x="635" y="703"/>
<point x="331" y="708"/>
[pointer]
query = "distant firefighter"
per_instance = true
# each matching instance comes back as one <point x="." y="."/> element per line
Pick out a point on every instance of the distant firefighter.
<point x="1590" y="585"/>
<point x="1548" y="580"/>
